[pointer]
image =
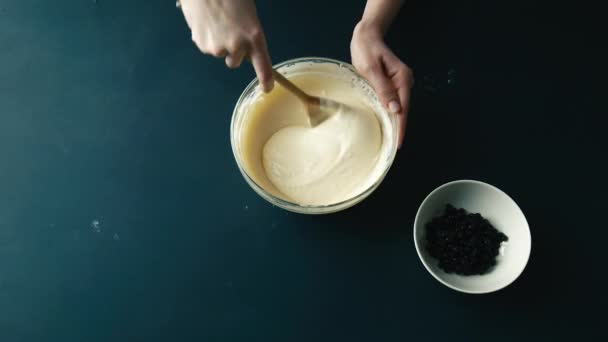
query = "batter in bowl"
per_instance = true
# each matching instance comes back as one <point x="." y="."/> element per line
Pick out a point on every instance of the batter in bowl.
<point x="321" y="165"/>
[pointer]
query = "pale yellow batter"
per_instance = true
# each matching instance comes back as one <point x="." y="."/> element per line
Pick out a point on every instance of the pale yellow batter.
<point x="320" y="165"/>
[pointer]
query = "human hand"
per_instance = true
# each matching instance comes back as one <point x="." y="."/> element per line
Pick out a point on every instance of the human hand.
<point x="391" y="78"/>
<point x="230" y="29"/>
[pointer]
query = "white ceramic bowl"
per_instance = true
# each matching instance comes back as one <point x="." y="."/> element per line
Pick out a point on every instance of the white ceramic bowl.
<point x="500" y="210"/>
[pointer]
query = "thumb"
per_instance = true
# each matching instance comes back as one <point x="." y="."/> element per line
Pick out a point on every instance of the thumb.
<point x="384" y="88"/>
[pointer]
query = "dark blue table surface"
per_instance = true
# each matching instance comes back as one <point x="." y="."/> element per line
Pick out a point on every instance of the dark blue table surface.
<point x="123" y="216"/>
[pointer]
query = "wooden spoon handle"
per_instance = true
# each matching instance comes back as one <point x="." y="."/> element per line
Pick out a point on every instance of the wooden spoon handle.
<point x="291" y="87"/>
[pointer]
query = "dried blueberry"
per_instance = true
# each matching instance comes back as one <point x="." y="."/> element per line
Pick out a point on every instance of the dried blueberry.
<point x="464" y="243"/>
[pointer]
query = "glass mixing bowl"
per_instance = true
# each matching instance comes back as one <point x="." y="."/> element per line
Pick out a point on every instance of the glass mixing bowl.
<point x="389" y="124"/>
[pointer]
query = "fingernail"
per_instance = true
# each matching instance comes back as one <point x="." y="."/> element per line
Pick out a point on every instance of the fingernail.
<point x="394" y="107"/>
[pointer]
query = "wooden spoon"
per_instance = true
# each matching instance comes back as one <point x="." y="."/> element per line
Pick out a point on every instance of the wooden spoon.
<point x="319" y="109"/>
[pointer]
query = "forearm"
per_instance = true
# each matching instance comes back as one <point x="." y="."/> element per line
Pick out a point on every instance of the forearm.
<point x="379" y="14"/>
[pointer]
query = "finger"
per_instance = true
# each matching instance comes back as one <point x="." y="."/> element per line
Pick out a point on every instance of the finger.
<point x="236" y="51"/>
<point x="384" y="88"/>
<point x="217" y="52"/>
<point x="263" y="67"/>
<point x="235" y="59"/>
<point x="404" y="98"/>
<point x="403" y="80"/>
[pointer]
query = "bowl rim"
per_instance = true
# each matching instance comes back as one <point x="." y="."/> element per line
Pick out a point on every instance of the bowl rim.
<point x="492" y="187"/>
<point x="292" y="206"/>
